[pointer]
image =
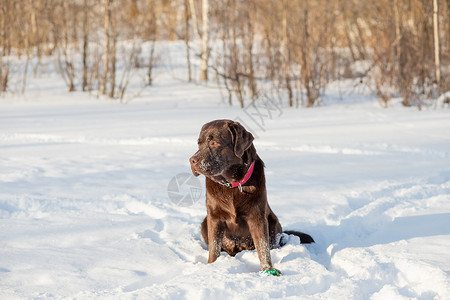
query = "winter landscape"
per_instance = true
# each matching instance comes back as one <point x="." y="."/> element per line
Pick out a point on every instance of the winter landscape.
<point x="101" y="105"/>
<point x="85" y="211"/>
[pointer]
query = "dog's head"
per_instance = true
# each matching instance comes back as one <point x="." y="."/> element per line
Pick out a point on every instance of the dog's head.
<point x="225" y="149"/>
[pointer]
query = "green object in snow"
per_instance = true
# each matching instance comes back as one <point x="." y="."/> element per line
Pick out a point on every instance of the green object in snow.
<point x="269" y="272"/>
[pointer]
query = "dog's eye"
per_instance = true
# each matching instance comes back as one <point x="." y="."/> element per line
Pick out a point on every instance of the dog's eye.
<point x="213" y="144"/>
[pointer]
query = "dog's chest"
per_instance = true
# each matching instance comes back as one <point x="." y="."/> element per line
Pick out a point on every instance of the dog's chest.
<point x="234" y="219"/>
<point x="226" y="209"/>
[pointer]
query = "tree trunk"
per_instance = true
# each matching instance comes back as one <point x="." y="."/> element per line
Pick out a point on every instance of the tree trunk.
<point x="113" y="67"/>
<point x="250" y="62"/>
<point x="102" y="90"/>
<point x="397" y="32"/>
<point x="287" y="70"/>
<point x="205" y="40"/>
<point x="194" y="20"/>
<point x="306" y="62"/>
<point x="234" y="57"/>
<point x="4" y="67"/>
<point x="151" y="59"/>
<point x="34" y="32"/>
<point x="436" y="47"/>
<point x="85" y="45"/>
<point x="186" y="38"/>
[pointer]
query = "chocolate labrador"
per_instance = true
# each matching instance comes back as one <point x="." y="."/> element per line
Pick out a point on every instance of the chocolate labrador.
<point x="238" y="214"/>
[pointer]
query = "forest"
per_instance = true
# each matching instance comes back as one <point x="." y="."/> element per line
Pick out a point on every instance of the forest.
<point x="293" y="49"/>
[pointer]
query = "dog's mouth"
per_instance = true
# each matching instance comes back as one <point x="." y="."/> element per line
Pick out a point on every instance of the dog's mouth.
<point x="211" y="169"/>
<point x="204" y="168"/>
<point x="195" y="170"/>
<point x="201" y="169"/>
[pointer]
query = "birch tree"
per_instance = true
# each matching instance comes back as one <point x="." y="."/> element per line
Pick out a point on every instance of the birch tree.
<point x="205" y="41"/>
<point x="436" y="47"/>
<point x="102" y="89"/>
<point x="203" y="38"/>
<point x="84" y="81"/>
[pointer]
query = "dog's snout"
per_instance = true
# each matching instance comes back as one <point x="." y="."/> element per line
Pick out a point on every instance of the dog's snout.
<point x="193" y="160"/>
<point x="194" y="165"/>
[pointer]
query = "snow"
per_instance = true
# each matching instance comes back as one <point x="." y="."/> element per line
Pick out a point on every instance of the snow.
<point x="85" y="213"/>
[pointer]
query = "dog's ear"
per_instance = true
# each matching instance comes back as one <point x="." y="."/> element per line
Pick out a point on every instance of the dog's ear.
<point x="242" y="139"/>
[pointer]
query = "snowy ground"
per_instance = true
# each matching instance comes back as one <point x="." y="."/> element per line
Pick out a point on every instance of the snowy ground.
<point x="85" y="213"/>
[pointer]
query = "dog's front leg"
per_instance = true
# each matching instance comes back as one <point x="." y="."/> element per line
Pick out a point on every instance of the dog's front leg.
<point x="215" y="236"/>
<point x="259" y="229"/>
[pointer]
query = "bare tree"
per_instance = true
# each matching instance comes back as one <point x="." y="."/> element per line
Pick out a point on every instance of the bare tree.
<point x="68" y="45"/>
<point x="186" y="38"/>
<point x="286" y="56"/>
<point x="293" y="48"/>
<point x="152" y="30"/>
<point x="205" y="41"/>
<point x="436" y="47"/>
<point x="102" y="89"/>
<point x="113" y="62"/>
<point x="84" y="81"/>
<point x="202" y="37"/>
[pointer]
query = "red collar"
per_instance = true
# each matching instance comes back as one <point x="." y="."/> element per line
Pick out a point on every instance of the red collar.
<point x="240" y="183"/>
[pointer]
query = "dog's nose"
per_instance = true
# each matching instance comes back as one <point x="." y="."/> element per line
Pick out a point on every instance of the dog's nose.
<point x="194" y="166"/>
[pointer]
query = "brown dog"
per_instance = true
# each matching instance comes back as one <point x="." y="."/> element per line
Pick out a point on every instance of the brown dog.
<point x="238" y="214"/>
